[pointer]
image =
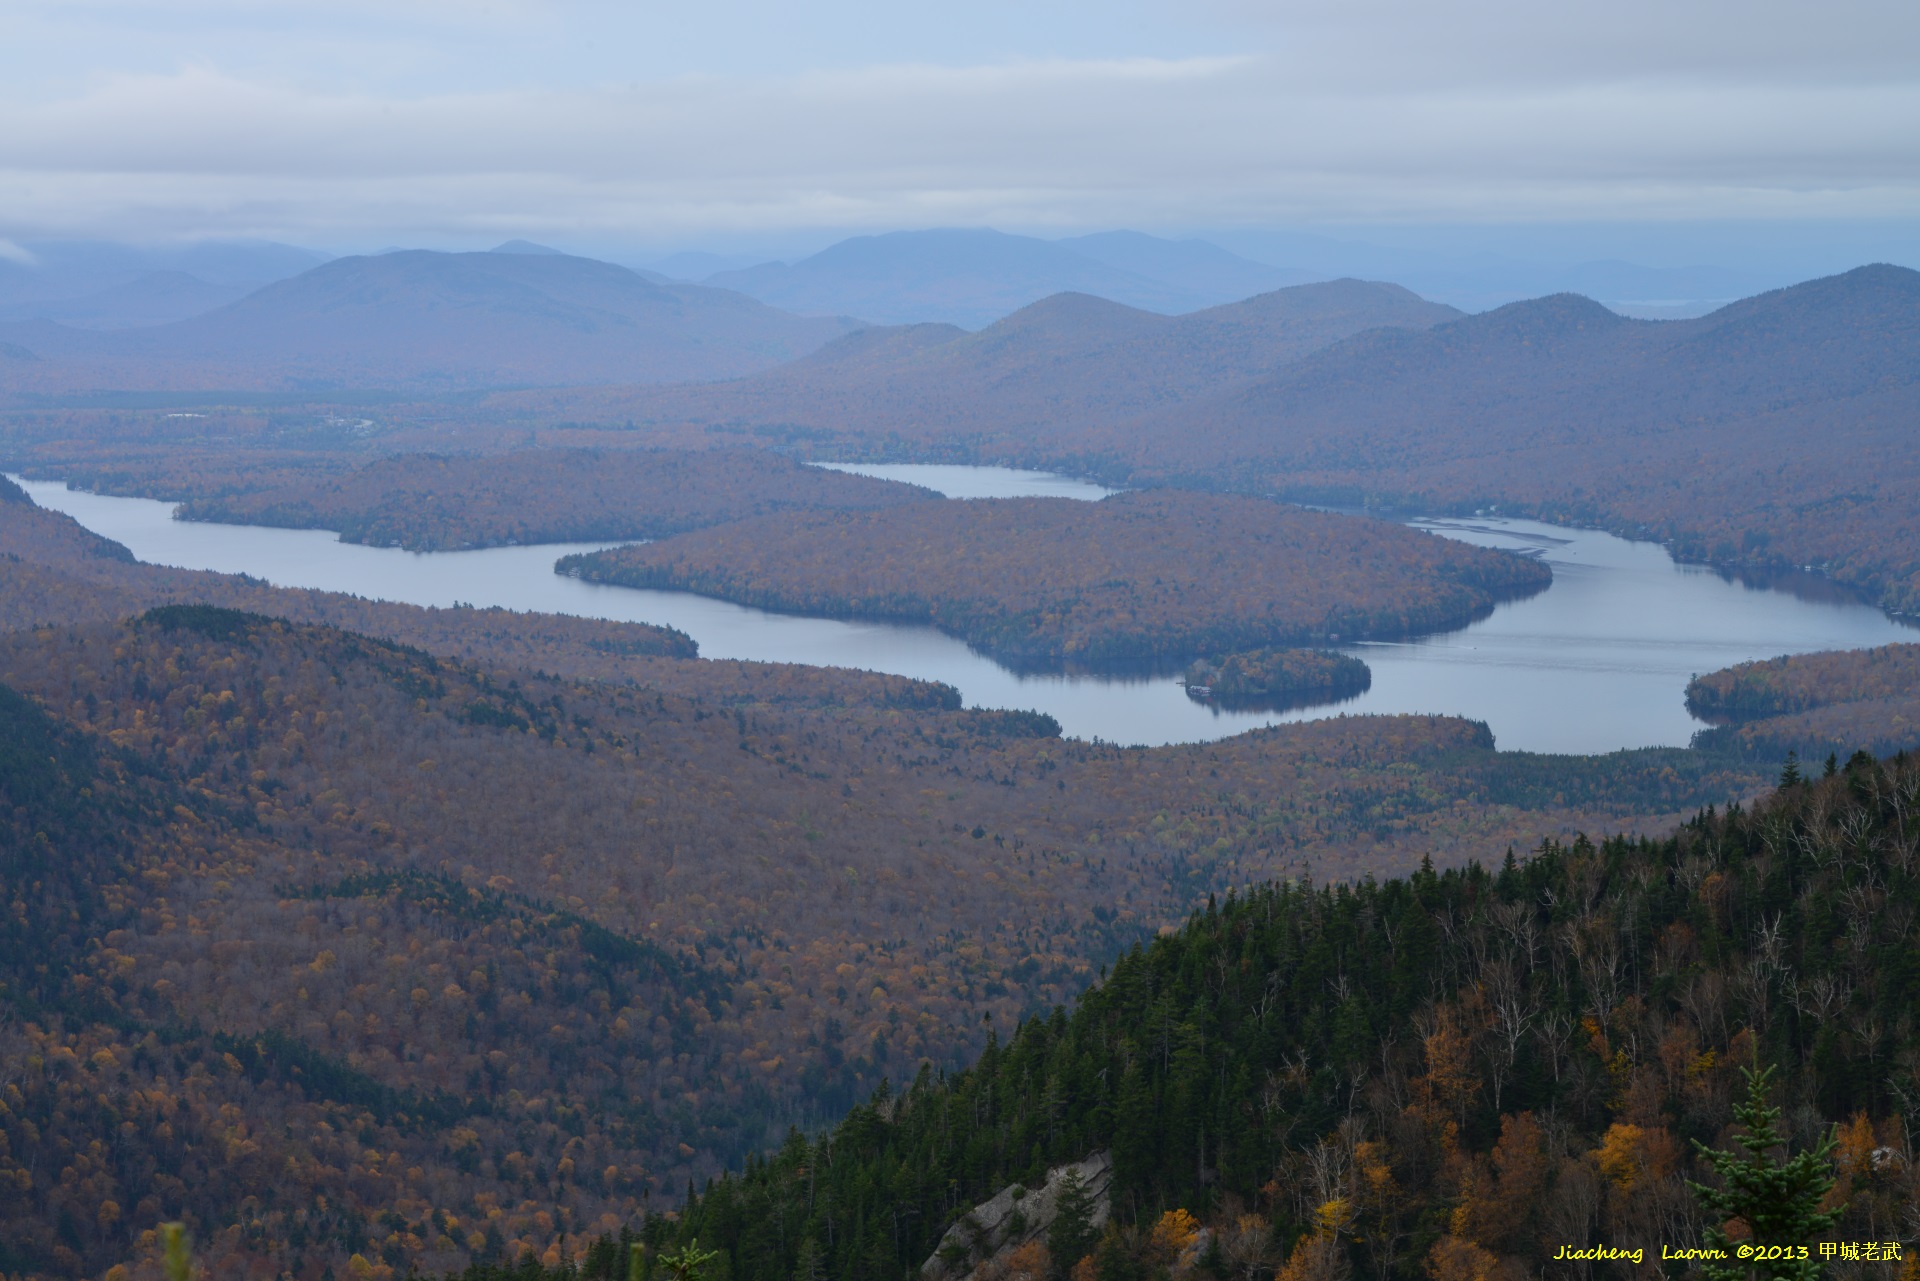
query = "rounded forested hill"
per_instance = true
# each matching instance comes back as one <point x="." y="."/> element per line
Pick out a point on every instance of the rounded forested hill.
<point x="1143" y="576"/>
<point x="1813" y="704"/>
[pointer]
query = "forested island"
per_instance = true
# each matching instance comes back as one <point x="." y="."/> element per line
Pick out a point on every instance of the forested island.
<point x="1277" y="678"/>
<point x="1041" y="582"/>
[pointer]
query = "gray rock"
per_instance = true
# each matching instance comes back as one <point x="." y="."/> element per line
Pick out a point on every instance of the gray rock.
<point x="1015" y="1216"/>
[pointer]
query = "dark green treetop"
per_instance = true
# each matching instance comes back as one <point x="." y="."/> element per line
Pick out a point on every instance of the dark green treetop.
<point x="1778" y="1199"/>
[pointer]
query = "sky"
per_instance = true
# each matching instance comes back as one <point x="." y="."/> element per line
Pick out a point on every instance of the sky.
<point x="356" y="123"/>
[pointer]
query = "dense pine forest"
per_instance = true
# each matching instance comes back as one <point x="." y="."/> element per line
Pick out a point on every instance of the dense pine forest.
<point x="1451" y="1074"/>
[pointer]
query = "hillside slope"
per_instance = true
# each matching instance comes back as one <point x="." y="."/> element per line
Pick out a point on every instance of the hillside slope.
<point x="1812" y="704"/>
<point x="1450" y="1075"/>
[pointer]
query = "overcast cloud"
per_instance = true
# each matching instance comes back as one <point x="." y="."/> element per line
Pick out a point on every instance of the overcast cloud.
<point x="421" y="119"/>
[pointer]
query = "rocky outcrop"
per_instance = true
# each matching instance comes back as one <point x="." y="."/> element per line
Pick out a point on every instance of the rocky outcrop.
<point x="1015" y="1216"/>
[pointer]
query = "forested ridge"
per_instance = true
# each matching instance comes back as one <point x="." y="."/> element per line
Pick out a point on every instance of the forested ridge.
<point x="1449" y="1075"/>
<point x="437" y="502"/>
<point x="1065" y="361"/>
<point x="1770" y="434"/>
<point x="1135" y="577"/>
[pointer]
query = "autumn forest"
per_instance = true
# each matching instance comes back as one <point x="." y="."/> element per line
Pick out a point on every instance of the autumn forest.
<point x="376" y="940"/>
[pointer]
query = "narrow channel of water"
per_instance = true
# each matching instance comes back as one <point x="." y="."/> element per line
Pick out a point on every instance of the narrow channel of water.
<point x="1597" y="662"/>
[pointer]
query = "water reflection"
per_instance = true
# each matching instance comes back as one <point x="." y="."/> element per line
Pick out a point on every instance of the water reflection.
<point x="957" y="481"/>
<point x="1597" y="662"/>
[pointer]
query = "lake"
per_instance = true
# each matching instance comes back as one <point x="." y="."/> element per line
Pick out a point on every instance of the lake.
<point x="960" y="481"/>
<point x="1598" y="661"/>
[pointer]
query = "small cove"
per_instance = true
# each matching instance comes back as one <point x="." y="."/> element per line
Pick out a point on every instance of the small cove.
<point x="1595" y="663"/>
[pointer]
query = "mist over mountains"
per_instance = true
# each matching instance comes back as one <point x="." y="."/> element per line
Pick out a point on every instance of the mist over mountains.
<point x="99" y="285"/>
<point x="972" y="278"/>
<point x="263" y="317"/>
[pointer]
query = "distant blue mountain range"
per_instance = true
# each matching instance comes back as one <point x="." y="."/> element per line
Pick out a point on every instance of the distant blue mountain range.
<point x="973" y="278"/>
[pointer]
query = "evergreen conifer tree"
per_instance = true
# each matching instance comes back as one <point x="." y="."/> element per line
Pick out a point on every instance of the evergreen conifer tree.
<point x="810" y="1264"/>
<point x="1071" y="1237"/>
<point x="689" y="1262"/>
<point x="1779" y="1200"/>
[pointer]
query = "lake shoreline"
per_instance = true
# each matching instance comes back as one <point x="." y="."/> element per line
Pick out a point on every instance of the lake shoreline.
<point x="1596" y="663"/>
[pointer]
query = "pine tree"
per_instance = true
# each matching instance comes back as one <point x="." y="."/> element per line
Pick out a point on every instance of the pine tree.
<point x="1135" y="1135"/>
<point x="1790" y="775"/>
<point x="1779" y="1200"/>
<point x="811" y="1264"/>
<point x="1071" y="1237"/>
<point x="689" y="1263"/>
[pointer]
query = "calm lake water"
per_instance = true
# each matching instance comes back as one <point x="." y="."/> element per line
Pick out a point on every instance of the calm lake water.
<point x="1599" y="661"/>
<point x="978" y="482"/>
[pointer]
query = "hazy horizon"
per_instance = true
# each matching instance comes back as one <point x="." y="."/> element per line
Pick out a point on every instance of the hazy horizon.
<point x="742" y="128"/>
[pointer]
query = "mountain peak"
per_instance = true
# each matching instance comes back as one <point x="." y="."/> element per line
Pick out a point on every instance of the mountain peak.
<point x="1555" y="316"/>
<point x="1075" y="314"/>
<point x="527" y="247"/>
<point x="1861" y="292"/>
<point x="976" y="276"/>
